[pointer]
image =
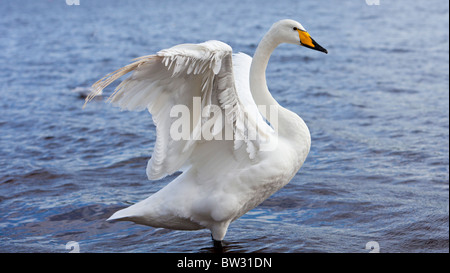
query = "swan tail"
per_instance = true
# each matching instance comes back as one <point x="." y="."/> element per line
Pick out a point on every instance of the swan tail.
<point x="147" y="214"/>
<point x="123" y="215"/>
<point x="138" y="214"/>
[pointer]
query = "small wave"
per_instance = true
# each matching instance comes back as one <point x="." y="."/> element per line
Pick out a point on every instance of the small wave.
<point x="396" y="90"/>
<point x="41" y="174"/>
<point x="86" y="213"/>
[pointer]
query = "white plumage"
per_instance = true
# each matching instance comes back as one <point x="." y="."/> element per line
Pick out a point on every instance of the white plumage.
<point x="239" y="160"/>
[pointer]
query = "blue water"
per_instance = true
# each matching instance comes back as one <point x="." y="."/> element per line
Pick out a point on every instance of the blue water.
<point x="377" y="107"/>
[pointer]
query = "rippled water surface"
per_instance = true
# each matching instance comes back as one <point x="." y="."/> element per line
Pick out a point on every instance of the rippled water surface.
<point x="377" y="107"/>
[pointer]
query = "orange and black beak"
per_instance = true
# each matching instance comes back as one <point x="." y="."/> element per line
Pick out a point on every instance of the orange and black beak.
<point x="307" y="41"/>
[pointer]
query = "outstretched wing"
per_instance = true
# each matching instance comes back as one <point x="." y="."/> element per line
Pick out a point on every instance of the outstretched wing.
<point x="190" y="77"/>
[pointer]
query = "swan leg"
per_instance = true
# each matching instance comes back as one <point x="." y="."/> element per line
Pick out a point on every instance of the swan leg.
<point x="217" y="244"/>
<point x="219" y="230"/>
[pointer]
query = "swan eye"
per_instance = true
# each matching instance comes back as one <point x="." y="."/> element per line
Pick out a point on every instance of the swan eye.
<point x="295" y="28"/>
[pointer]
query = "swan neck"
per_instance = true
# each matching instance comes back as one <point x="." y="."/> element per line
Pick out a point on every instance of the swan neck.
<point x="285" y="122"/>
<point x="258" y="84"/>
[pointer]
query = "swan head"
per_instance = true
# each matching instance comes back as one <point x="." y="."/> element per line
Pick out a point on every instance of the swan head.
<point x="292" y="32"/>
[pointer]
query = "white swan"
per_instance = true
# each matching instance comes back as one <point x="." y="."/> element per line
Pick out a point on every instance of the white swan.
<point x="239" y="160"/>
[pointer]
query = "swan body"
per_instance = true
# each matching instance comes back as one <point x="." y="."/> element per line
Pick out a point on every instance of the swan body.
<point x="249" y="154"/>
